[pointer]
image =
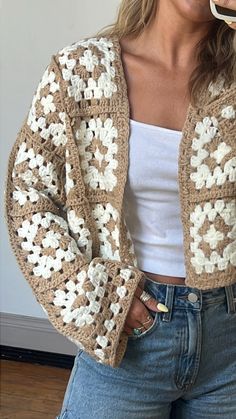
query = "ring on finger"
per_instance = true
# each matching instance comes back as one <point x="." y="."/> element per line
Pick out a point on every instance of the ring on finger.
<point x="145" y="296"/>
<point x="137" y="330"/>
<point x="148" y="320"/>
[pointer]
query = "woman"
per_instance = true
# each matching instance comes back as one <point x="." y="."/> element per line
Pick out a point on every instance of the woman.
<point x="170" y="332"/>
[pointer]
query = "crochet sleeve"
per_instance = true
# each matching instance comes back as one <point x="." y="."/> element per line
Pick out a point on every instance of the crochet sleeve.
<point x="86" y="299"/>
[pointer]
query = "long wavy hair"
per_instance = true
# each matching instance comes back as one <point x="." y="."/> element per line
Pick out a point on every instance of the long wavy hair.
<point x="216" y="53"/>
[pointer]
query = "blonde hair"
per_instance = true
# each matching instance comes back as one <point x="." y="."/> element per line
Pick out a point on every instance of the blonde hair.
<point x="215" y="52"/>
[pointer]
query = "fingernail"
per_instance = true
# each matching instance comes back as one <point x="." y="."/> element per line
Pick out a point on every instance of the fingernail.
<point x="162" y="307"/>
<point x="228" y="22"/>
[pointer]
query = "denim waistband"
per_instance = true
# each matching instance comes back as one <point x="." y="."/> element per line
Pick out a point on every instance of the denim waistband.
<point x="185" y="297"/>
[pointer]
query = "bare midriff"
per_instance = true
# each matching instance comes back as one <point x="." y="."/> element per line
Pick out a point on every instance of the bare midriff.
<point x="175" y="280"/>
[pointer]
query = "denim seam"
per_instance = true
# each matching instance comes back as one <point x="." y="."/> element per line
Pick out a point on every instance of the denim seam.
<point x="230" y="299"/>
<point x="189" y="386"/>
<point x="169" y="302"/>
<point x="177" y="376"/>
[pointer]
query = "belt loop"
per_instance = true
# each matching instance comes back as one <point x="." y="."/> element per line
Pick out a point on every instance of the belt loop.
<point x="170" y="290"/>
<point x="230" y="299"/>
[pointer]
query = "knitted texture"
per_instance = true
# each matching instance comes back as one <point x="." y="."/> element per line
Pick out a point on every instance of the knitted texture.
<point x="64" y="191"/>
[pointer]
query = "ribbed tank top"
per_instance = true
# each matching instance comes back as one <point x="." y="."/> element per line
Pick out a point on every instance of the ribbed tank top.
<point x="151" y="199"/>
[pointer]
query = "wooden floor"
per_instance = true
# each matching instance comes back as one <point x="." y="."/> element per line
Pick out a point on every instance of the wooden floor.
<point x="30" y="391"/>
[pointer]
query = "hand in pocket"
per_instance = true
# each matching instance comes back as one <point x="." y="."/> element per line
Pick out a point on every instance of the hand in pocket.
<point x="139" y="314"/>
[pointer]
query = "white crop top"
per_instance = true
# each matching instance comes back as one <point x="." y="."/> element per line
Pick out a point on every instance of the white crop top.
<point x="151" y="199"/>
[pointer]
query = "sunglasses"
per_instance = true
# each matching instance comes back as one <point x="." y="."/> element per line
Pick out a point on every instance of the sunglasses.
<point x="222" y="12"/>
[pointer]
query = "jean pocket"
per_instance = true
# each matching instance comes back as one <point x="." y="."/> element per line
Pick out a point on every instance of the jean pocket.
<point x="148" y="331"/>
<point x="149" y="287"/>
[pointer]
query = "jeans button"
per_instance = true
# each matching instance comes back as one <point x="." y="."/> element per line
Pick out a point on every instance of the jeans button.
<point x="192" y="297"/>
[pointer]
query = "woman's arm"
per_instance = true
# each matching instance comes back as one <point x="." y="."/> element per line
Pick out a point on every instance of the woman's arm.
<point x="86" y="299"/>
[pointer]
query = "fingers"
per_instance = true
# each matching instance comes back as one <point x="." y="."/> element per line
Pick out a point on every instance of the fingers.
<point x="155" y="305"/>
<point x="138" y="316"/>
<point x="146" y="324"/>
<point x="139" y="313"/>
<point x="229" y="4"/>
<point x="151" y="303"/>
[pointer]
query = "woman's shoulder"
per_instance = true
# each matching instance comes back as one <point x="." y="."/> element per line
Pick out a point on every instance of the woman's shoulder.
<point x="87" y="47"/>
<point x="88" y="68"/>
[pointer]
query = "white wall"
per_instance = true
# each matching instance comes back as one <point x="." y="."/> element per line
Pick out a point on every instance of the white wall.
<point x="30" y="32"/>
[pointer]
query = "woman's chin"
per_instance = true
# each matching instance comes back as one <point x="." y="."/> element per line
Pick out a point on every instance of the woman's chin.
<point x="197" y="11"/>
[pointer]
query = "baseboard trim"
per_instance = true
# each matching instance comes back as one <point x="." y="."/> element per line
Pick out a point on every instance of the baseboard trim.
<point x="36" y="357"/>
<point x="33" y="333"/>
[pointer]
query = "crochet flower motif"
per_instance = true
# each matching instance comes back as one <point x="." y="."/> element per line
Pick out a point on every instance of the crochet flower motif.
<point x="100" y="164"/>
<point x="77" y="85"/>
<point x="77" y="226"/>
<point x="84" y="314"/>
<point x="206" y="130"/>
<point x="48" y="105"/>
<point x="209" y="212"/>
<point x="215" y="88"/>
<point x="23" y="196"/>
<point x="103" y="44"/>
<point x="106" y="217"/>
<point x="49" y="79"/>
<point x="107" y="62"/>
<point x="91" y="88"/>
<point x="200" y="177"/>
<point x="80" y="315"/>
<point x="47" y="102"/>
<point x="228" y="112"/>
<point x="46" y="174"/>
<point x="213" y="237"/>
<point x="103" y="86"/>
<point x="89" y="60"/>
<point x="69" y="63"/>
<point x="204" y="176"/>
<point x="222" y="150"/>
<point x="46" y="264"/>
<point x="52" y="239"/>
<point x="55" y="131"/>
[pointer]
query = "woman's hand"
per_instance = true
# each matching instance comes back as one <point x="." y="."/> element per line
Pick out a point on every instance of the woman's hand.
<point x="138" y="312"/>
<point x="229" y="4"/>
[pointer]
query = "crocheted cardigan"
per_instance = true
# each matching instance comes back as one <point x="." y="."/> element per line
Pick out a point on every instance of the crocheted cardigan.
<point x="64" y="190"/>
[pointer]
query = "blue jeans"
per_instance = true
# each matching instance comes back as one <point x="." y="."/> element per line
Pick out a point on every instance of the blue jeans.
<point x="183" y="367"/>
